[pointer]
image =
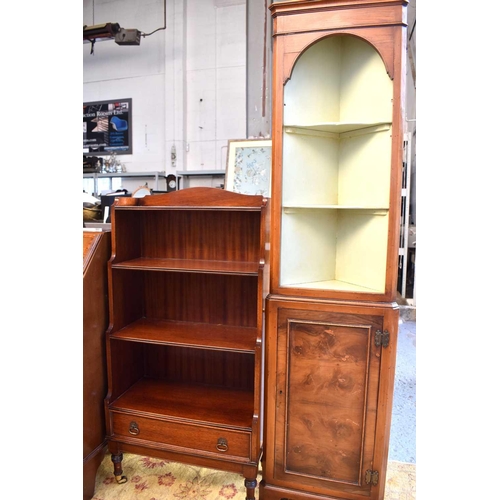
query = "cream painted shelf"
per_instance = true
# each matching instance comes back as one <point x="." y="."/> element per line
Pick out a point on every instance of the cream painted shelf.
<point x="289" y="209"/>
<point x="337" y="128"/>
<point x="333" y="285"/>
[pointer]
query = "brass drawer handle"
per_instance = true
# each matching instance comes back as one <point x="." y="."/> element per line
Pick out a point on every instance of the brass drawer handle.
<point x="221" y="444"/>
<point x="134" y="429"/>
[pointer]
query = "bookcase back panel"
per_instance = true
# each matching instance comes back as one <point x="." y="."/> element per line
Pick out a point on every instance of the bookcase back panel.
<point x="217" y="299"/>
<point x="179" y="365"/>
<point x="198" y="366"/>
<point x="189" y="234"/>
<point x="212" y="298"/>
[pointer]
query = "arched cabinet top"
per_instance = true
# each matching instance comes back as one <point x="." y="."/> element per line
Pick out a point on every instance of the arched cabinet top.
<point x="296" y="46"/>
<point x="299" y="24"/>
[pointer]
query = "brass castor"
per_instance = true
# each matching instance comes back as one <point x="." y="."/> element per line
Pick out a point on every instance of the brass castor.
<point x="117" y="464"/>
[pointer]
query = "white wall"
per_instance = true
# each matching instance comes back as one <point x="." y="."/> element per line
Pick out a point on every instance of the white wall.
<point x="187" y="83"/>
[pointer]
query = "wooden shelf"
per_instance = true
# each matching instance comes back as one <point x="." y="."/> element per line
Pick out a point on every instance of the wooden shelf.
<point x="195" y="335"/>
<point x="191" y="266"/>
<point x="192" y="403"/>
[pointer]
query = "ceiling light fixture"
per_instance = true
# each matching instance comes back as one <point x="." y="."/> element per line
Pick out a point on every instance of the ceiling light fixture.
<point x="113" y="31"/>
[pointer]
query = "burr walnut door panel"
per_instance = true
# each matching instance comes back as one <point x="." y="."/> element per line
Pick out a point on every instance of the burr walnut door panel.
<point x="326" y="399"/>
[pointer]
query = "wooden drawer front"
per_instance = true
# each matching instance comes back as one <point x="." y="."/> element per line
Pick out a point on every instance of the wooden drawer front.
<point x="194" y="437"/>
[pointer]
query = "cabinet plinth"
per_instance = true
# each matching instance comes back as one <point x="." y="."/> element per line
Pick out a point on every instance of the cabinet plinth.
<point x="187" y="281"/>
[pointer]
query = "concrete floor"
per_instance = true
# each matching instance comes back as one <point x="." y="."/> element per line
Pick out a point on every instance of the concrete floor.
<point x="402" y="444"/>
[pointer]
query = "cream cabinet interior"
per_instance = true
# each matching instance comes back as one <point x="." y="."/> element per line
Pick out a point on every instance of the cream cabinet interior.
<point x="336" y="168"/>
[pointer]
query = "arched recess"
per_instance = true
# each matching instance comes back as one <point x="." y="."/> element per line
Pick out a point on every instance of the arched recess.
<point x="339" y="77"/>
<point x="380" y="38"/>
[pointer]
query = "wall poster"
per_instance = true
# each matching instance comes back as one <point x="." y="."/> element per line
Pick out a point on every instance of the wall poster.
<point x="107" y="127"/>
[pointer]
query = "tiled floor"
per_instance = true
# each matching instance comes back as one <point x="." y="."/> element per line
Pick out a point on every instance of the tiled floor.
<point x="402" y="445"/>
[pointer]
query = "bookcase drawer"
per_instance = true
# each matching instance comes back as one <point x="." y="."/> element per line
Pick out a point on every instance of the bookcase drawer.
<point x="180" y="435"/>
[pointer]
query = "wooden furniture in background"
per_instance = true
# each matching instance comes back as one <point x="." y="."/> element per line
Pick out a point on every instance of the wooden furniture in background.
<point x="331" y="317"/>
<point x="96" y="253"/>
<point x="187" y="281"/>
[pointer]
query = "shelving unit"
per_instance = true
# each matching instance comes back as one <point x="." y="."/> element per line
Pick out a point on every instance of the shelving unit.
<point x="183" y="176"/>
<point x="188" y="278"/>
<point x="143" y="175"/>
<point x="331" y="316"/>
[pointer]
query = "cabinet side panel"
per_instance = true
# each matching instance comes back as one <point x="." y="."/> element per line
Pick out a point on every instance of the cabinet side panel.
<point x="125" y="366"/>
<point x="126" y="235"/>
<point x="127" y="293"/>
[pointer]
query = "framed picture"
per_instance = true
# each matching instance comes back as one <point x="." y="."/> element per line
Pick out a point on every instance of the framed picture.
<point x="248" y="169"/>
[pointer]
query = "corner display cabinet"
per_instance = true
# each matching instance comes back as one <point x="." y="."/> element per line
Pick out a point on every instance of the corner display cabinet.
<point x="188" y="276"/>
<point x="331" y="316"/>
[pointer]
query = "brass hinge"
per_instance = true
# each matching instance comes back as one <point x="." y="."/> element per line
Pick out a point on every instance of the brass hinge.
<point x="371" y="477"/>
<point x="381" y="338"/>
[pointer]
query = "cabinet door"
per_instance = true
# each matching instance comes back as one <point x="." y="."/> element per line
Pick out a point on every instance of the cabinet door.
<point x="328" y="374"/>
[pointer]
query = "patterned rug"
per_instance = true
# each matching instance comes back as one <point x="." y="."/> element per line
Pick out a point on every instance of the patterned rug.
<point x="154" y="479"/>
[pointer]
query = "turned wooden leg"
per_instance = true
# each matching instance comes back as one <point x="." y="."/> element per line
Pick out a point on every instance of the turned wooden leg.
<point x="250" y="485"/>
<point x="117" y="464"/>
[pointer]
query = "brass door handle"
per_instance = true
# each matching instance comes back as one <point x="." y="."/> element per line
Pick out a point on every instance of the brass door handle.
<point x="222" y="445"/>
<point x="133" y="429"/>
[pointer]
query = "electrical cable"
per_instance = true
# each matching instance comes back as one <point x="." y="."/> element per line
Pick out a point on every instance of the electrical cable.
<point x="164" y="21"/>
